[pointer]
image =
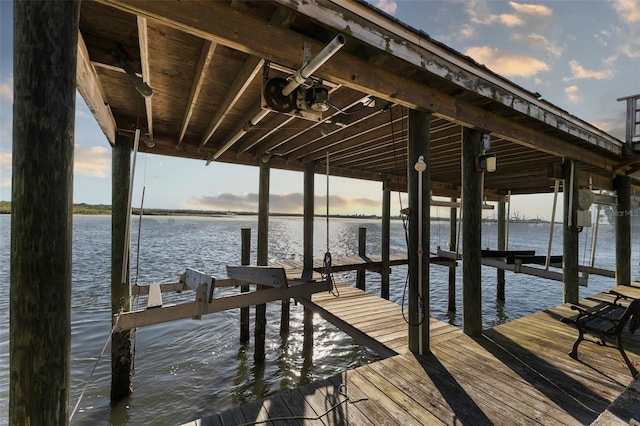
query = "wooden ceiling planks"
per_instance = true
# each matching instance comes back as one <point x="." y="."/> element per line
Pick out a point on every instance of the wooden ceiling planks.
<point x="204" y="61"/>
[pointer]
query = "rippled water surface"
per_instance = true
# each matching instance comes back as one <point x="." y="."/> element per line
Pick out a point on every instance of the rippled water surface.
<point x="187" y="369"/>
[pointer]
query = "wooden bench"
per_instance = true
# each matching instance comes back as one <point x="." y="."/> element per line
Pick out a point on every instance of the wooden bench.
<point x="606" y="320"/>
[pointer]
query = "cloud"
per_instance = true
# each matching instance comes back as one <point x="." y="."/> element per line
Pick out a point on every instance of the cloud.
<point x="5" y="182"/>
<point x="572" y="94"/>
<point x="533" y="10"/>
<point x="388" y="6"/>
<point x="627" y="10"/>
<point x="291" y="203"/>
<point x="538" y="41"/>
<point x="92" y="161"/>
<point x="6" y="91"/>
<point x="507" y="64"/>
<point x="578" y="72"/>
<point x="5" y="159"/>
<point x="480" y="13"/>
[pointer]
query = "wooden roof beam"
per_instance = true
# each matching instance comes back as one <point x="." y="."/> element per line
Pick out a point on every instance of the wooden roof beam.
<point x="143" y="39"/>
<point x="88" y="84"/>
<point x="250" y="69"/>
<point x="257" y="37"/>
<point x="206" y="53"/>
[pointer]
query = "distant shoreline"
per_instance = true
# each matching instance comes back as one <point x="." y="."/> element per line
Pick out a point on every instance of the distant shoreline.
<point x="105" y="209"/>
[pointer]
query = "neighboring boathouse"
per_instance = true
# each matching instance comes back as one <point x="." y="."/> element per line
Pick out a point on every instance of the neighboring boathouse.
<point x="322" y="87"/>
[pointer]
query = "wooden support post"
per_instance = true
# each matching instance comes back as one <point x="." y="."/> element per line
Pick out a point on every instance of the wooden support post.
<point x="307" y="272"/>
<point x="471" y="233"/>
<point x="362" y="252"/>
<point x="307" y="343"/>
<point x="308" y="217"/>
<point x="622" y="186"/>
<point x="121" y="356"/>
<point x="386" y="238"/>
<point x="419" y="231"/>
<point x="502" y="245"/>
<point x="453" y="232"/>
<point x="245" y="259"/>
<point x="570" y="277"/>
<point x="44" y="58"/>
<point x="263" y="254"/>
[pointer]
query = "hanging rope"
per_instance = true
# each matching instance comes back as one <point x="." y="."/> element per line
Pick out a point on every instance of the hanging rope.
<point x="86" y="383"/>
<point x="327" y="275"/>
<point x="342" y="390"/>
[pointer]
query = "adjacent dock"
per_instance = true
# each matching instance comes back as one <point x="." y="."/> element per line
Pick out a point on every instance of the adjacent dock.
<point x="515" y="373"/>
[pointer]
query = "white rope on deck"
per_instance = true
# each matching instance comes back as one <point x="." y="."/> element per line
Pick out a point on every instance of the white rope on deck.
<point x="342" y="390"/>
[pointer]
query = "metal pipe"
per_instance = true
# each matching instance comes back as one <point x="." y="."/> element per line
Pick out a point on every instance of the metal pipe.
<point x="301" y="75"/>
<point x="127" y="231"/>
<point x="247" y="126"/>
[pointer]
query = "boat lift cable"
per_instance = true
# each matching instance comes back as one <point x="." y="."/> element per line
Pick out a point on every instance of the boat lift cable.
<point x="406" y="228"/>
<point x="326" y="263"/>
<point x="104" y="348"/>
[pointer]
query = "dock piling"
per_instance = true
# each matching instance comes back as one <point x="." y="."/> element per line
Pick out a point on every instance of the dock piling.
<point x="502" y="245"/>
<point x="622" y="186"/>
<point x="570" y="277"/>
<point x="386" y="238"/>
<point x="362" y="252"/>
<point x="453" y="232"/>
<point x="307" y="270"/>
<point x="245" y="260"/>
<point x="45" y="43"/>
<point x="471" y="233"/>
<point x="263" y="254"/>
<point x="121" y="357"/>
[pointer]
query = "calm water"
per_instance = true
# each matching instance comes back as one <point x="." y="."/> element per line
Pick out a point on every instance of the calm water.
<point x="187" y="369"/>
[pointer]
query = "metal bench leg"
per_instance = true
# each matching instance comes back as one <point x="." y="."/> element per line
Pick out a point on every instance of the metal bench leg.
<point x="574" y="351"/>
<point x="632" y="368"/>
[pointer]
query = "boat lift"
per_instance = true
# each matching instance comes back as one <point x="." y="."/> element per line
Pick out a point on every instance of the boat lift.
<point x="279" y="288"/>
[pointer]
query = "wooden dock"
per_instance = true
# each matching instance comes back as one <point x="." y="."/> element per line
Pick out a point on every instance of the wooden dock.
<point x="515" y="373"/>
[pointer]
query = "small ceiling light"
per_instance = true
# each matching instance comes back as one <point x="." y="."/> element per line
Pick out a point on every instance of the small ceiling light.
<point x="487" y="163"/>
<point x="318" y="98"/>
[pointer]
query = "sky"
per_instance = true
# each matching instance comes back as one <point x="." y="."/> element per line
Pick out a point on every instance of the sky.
<point x="579" y="55"/>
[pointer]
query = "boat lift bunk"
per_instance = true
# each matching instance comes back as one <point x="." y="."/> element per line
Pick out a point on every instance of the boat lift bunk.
<point x="279" y="287"/>
<point x="517" y="261"/>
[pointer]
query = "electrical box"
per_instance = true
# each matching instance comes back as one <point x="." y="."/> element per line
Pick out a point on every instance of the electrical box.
<point x="583" y="218"/>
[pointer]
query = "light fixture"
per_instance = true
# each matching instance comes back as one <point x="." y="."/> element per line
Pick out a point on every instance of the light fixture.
<point x="487" y="163"/>
<point x="420" y="165"/>
<point x="318" y="98"/>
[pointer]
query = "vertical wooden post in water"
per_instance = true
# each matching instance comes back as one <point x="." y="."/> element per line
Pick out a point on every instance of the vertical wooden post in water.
<point x="121" y="361"/>
<point x="245" y="259"/>
<point x="263" y="254"/>
<point x="622" y="186"/>
<point x="570" y="171"/>
<point x="419" y="231"/>
<point x="307" y="272"/>
<point x="386" y="238"/>
<point x="502" y="244"/>
<point x="453" y="234"/>
<point x="44" y="57"/>
<point x="362" y="252"/>
<point x="471" y="233"/>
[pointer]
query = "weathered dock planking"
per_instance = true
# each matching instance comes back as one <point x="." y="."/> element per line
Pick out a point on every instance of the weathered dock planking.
<point x="515" y="373"/>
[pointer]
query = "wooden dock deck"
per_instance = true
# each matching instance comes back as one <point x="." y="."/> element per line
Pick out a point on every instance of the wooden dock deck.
<point x="515" y="373"/>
